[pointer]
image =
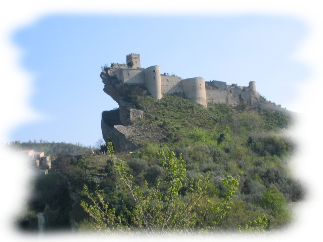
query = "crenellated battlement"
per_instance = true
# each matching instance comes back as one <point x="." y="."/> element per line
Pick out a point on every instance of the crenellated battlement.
<point x="133" y="60"/>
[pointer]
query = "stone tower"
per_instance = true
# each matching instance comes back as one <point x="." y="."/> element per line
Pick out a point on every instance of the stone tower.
<point x="252" y="86"/>
<point x="133" y="60"/>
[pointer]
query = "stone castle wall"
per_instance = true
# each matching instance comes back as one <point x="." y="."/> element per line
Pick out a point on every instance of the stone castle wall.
<point x="195" y="89"/>
<point x="153" y="81"/>
<point x="131" y="76"/>
<point x="219" y="92"/>
<point x="171" y="84"/>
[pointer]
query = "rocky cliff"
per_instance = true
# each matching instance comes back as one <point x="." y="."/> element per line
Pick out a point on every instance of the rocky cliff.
<point x="119" y="126"/>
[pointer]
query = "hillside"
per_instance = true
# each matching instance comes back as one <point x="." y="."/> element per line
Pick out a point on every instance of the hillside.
<point x="222" y="139"/>
<point x="243" y="141"/>
<point x="182" y="155"/>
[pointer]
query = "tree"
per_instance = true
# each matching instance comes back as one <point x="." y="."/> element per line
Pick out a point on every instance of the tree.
<point x="273" y="199"/>
<point x="176" y="209"/>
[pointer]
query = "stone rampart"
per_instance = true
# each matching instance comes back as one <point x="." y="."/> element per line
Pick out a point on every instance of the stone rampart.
<point x="216" y="95"/>
<point x="171" y="84"/>
<point x="131" y="76"/>
<point x="117" y="65"/>
<point x="194" y="89"/>
<point x="219" y="92"/>
<point x="153" y="81"/>
<point x="218" y="84"/>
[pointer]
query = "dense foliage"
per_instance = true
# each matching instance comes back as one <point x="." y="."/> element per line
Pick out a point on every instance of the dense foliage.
<point x="17" y="221"/>
<point x="220" y="141"/>
<point x="174" y="204"/>
<point x="225" y="140"/>
<point x="129" y="191"/>
<point x="22" y="198"/>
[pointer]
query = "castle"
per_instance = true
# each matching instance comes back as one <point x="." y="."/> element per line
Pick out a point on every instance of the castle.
<point x="195" y="89"/>
<point x="119" y="126"/>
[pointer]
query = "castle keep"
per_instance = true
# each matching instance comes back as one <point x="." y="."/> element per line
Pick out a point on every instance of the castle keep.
<point x="195" y="89"/>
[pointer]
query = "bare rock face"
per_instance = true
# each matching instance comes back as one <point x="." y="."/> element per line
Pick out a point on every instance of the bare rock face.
<point x="112" y="121"/>
<point x="135" y="114"/>
<point x="128" y="137"/>
<point x="122" y="126"/>
<point x="117" y="134"/>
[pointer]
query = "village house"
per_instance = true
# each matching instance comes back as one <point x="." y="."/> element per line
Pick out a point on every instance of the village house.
<point x="29" y="160"/>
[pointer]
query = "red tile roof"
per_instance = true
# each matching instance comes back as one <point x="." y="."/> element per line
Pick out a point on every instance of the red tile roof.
<point x="38" y="153"/>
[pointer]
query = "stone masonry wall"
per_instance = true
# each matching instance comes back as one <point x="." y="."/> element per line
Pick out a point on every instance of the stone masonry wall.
<point x="153" y="81"/>
<point x="131" y="76"/>
<point x="171" y="84"/>
<point x="194" y="89"/>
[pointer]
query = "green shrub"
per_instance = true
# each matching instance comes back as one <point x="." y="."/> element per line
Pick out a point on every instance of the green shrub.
<point x="274" y="200"/>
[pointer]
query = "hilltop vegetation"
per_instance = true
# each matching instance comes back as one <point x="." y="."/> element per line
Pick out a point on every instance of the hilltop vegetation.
<point x="49" y="147"/>
<point x="223" y="139"/>
<point x="187" y="122"/>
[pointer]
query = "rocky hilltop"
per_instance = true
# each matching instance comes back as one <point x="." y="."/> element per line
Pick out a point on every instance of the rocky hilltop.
<point x="126" y="83"/>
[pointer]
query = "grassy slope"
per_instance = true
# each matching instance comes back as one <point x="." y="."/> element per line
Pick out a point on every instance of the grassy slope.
<point x="266" y="146"/>
<point x="219" y="141"/>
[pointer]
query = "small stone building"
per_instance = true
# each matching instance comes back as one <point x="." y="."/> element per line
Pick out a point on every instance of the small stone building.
<point x="38" y="159"/>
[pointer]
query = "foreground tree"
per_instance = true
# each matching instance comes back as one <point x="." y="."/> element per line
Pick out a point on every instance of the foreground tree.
<point x="174" y="204"/>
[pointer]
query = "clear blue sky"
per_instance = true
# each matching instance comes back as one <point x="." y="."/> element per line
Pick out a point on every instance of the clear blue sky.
<point x="65" y="54"/>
